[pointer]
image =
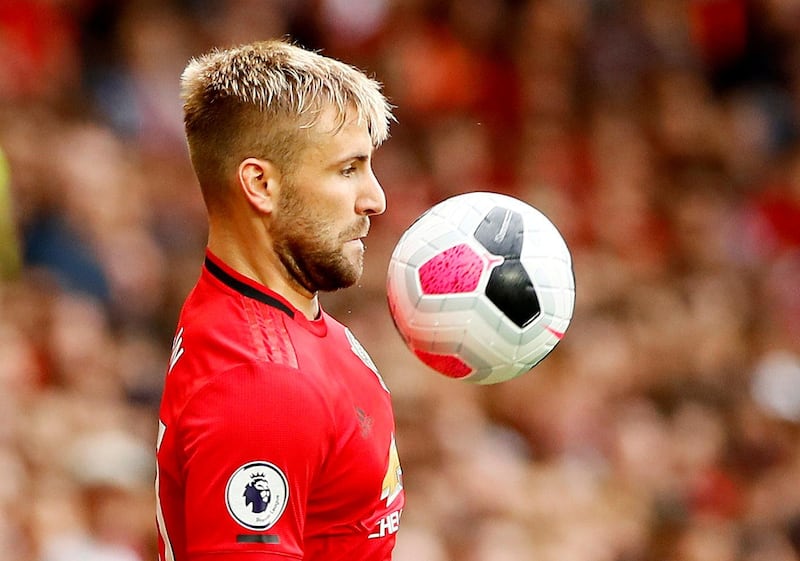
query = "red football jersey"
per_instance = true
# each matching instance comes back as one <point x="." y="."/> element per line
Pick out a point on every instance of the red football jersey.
<point x="276" y="434"/>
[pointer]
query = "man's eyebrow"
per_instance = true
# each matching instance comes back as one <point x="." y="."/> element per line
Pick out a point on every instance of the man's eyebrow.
<point x="358" y="157"/>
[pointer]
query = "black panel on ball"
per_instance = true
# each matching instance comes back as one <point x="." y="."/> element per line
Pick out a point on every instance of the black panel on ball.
<point x="500" y="232"/>
<point x="511" y="290"/>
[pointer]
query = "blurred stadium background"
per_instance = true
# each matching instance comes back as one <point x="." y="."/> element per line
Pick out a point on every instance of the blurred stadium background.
<point x="660" y="135"/>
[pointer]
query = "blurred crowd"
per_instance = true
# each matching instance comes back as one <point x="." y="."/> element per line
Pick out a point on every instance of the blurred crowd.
<point x="661" y="136"/>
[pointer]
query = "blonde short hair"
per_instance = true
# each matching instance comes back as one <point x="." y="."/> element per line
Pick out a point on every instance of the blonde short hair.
<point x="258" y="99"/>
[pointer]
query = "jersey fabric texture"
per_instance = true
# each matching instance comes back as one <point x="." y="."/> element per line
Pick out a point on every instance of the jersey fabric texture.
<point x="276" y="434"/>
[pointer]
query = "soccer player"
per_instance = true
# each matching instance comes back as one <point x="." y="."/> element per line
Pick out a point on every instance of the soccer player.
<point x="276" y="432"/>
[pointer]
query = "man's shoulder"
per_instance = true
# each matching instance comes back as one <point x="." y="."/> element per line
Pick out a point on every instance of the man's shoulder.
<point x="233" y="328"/>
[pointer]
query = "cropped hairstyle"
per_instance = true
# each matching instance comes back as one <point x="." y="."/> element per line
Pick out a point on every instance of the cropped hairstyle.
<point x="260" y="99"/>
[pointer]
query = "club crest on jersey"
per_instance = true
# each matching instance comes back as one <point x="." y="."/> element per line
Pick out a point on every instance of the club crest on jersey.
<point x="256" y="495"/>
<point x="359" y="350"/>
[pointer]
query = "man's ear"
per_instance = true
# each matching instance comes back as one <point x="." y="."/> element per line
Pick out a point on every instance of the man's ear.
<point x="258" y="180"/>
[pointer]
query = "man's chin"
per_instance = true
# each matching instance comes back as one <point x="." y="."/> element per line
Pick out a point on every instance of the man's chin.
<point x="354" y="254"/>
<point x="341" y="279"/>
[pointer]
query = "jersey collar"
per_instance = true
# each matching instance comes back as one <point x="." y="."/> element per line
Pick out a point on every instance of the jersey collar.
<point x="244" y="285"/>
<point x="251" y="289"/>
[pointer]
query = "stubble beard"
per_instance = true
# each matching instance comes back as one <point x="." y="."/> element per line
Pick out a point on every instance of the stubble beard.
<point x="310" y="251"/>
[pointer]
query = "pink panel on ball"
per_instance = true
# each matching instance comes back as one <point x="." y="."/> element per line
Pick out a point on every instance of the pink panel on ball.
<point x="448" y="365"/>
<point x="457" y="269"/>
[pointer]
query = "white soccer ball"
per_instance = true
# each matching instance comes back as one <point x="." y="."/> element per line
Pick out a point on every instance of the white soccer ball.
<point x="481" y="287"/>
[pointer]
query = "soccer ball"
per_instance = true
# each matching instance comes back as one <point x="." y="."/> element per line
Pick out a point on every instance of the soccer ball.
<point x="481" y="287"/>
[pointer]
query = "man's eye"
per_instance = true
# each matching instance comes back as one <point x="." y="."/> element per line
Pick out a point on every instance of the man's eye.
<point x="348" y="171"/>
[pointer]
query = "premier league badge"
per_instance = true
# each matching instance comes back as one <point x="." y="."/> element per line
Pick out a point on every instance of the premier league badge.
<point x="256" y="495"/>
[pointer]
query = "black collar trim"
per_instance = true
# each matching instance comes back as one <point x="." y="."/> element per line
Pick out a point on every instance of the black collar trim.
<point x="245" y="289"/>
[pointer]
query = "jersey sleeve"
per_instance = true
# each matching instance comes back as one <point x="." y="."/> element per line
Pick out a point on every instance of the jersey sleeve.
<point x="252" y="441"/>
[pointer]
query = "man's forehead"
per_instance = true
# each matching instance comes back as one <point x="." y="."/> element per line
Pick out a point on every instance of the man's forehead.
<point x="333" y="130"/>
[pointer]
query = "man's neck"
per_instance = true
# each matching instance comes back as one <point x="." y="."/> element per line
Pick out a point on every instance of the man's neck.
<point x="264" y="267"/>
